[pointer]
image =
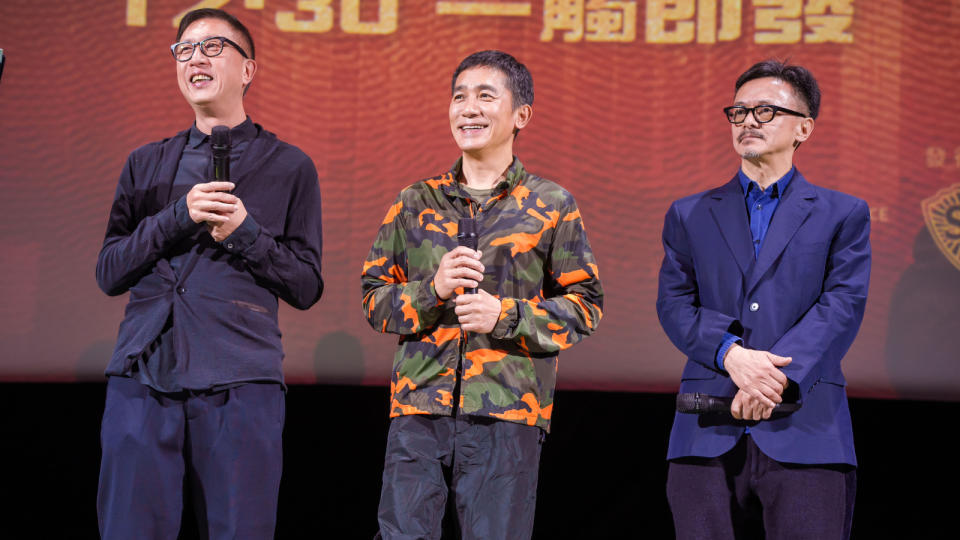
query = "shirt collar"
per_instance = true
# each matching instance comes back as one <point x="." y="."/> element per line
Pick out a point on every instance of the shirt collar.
<point x="245" y="131"/>
<point x="775" y="189"/>
<point x="511" y="177"/>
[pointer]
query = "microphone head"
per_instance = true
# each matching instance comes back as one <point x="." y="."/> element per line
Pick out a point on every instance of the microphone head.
<point x="688" y="402"/>
<point x="220" y="138"/>
<point x="466" y="227"/>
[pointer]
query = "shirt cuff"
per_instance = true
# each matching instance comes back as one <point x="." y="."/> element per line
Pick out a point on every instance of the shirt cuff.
<point x="182" y="214"/>
<point x="509" y="318"/>
<point x="728" y="341"/>
<point x="243" y="237"/>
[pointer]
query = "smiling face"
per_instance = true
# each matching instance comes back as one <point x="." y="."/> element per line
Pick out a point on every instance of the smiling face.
<point x="777" y="139"/>
<point x="214" y="84"/>
<point x="482" y="116"/>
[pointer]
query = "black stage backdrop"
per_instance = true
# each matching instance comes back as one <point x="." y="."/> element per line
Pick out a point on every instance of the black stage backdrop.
<point x="602" y="476"/>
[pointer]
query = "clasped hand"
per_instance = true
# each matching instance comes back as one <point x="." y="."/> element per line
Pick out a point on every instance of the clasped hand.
<point x="757" y="374"/>
<point x="211" y="203"/>
<point x="461" y="267"/>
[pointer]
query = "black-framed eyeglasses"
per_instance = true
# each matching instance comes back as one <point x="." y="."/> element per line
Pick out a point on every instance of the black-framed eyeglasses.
<point x="761" y="113"/>
<point x="212" y="46"/>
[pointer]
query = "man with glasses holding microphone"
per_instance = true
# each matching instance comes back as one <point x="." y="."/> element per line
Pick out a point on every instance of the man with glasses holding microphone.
<point x="763" y="287"/>
<point x="195" y="391"/>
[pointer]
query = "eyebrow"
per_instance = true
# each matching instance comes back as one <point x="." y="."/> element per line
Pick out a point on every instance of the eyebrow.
<point x="462" y="87"/>
<point x="759" y="103"/>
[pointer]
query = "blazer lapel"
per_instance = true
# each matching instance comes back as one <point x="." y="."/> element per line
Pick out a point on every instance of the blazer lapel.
<point x="792" y="211"/>
<point x="730" y="214"/>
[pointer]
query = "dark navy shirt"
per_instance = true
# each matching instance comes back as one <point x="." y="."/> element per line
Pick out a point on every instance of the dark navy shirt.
<point x="158" y="367"/>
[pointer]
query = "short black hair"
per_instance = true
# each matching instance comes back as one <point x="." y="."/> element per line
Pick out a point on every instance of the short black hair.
<point x="519" y="80"/>
<point x="804" y="84"/>
<point x="208" y="13"/>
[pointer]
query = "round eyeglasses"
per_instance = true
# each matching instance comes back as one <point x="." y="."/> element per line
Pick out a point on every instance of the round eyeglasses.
<point x="212" y="46"/>
<point x="761" y="113"/>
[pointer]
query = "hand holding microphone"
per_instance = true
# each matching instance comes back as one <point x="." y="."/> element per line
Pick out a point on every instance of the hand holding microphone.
<point x="460" y="267"/>
<point x="211" y="202"/>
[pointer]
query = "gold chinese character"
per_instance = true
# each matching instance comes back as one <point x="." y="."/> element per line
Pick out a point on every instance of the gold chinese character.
<point x="681" y="13"/>
<point x="562" y="15"/>
<point x="659" y="12"/>
<point x="829" y="28"/>
<point x="936" y="157"/>
<point x="778" y="21"/>
<point x="611" y="21"/>
<point x="509" y="9"/>
<point x="730" y="17"/>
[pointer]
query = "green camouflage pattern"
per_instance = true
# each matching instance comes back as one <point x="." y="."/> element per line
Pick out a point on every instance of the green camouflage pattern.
<point x="537" y="261"/>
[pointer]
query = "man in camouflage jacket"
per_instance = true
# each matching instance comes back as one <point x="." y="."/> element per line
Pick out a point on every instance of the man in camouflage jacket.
<point x="474" y="377"/>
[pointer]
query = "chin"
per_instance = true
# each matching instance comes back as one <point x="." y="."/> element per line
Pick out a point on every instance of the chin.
<point x="471" y="146"/>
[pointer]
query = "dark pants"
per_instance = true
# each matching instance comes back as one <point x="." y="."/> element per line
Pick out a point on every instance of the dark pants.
<point x="728" y="496"/>
<point x="225" y="446"/>
<point x="483" y="469"/>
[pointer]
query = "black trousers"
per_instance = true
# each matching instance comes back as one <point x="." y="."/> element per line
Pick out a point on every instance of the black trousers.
<point x="483" y="470"/>
<point x="224" y="446"/>
<point x="730" y="496"/>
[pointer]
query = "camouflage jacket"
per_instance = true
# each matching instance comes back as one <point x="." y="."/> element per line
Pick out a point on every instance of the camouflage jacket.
<point x="537" y="261"/>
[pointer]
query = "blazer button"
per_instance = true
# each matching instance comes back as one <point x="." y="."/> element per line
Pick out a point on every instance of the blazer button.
<point x="181" y="290"/>
<point x="754" y="306"/>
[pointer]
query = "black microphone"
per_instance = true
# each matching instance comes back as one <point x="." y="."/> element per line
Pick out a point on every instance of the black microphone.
<point x="220" y="143"/>
<point x="1" y="63"/>
<point x="697" y="403"/>
<point x="467" y="236"/>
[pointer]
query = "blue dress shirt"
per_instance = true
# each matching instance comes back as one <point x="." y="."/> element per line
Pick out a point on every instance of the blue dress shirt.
<point x="761" y="203"/>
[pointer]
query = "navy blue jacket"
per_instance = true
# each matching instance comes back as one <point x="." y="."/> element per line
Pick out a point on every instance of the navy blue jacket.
<point x="223" y="301"/>
<point x="803" y="297"/>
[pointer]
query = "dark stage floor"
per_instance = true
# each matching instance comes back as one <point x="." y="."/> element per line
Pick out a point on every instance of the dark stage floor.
<point x="602" y="469"/>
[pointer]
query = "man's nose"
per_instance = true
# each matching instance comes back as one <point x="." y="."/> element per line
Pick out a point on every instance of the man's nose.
<point x="751" y="120"/>
<point x="198" y="58"/>
<point x="470" y="107"/>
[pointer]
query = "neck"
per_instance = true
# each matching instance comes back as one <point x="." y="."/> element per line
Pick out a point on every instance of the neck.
<point x="483" y="171"/>
<point x="207" y="118"/>
<point x="766" y="170"/>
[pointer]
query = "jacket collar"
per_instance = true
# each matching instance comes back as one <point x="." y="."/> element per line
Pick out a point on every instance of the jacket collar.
<point x="729" y="213"/>
<point x="449" y="184"/>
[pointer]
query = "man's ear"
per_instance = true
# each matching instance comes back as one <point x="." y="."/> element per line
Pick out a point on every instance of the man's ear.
<point x="521" y="117"/>
<point x="803" y="131"/>
<point x="249" y="70"/>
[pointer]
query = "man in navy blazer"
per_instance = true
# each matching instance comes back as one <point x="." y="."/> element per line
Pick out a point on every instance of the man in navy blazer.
<point x="195" y="394"/>
<point x="763" y="287"/>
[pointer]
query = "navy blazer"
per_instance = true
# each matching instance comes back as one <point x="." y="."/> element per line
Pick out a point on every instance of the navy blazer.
<point x="224" y="300"/>
<point x="808" y="288"/>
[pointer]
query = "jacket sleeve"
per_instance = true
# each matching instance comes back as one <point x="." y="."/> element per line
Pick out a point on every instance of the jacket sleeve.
<point x="574" y="303"/>
<point x="828" y="328"/>
<point x="287" y="265"/>
<point x="133" y="244"/>
<point x="697" y="331"/>
<point x="391" y="302"/>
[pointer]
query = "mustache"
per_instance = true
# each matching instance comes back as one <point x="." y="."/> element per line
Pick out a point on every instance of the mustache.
<point x="749" y="133"/>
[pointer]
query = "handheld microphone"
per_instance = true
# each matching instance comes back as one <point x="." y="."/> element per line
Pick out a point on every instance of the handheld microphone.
<point x="697" y="403"/>
<point x="220" y="143"/>
<point x="467" y="236"/>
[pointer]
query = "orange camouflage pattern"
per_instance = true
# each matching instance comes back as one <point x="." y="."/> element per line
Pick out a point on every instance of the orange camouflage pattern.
<point x="537" y="261"/>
